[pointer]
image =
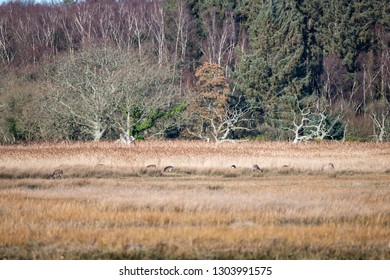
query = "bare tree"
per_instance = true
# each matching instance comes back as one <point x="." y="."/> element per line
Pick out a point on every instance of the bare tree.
<point x="333" y="73"/>
<point x="217" y="124"/>
<point x="86" y="88"/>
<point x="182" y="24"/>
<point x="84" y="22"/>
<point x="380" y="115"/>
<point x="48" y="30"/>
<point x="376" y="85"/>
<point x="5" y="44"/>
<point x="148" y="92"/>
<point x="220" y="37"/>
<point x="311" y="121"/>
<point x="69" y="33"/>
<point x="216" y="108"/>
<point x="157" y="27"/>
<point x="141" y="29"/>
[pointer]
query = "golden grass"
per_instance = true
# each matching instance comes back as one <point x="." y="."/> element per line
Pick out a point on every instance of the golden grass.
<point x="203" y="210"/>
<point x="360" y="157"/>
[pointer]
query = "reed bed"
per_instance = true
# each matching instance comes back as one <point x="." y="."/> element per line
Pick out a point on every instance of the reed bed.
<point x="108" y="205"/>
<point x="270" y="155"/>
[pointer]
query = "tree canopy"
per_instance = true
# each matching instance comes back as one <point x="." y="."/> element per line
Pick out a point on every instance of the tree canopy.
<point x="93" y="70"/>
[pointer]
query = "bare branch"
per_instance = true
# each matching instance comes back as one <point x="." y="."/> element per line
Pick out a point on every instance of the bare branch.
<point x="310" y="122"/>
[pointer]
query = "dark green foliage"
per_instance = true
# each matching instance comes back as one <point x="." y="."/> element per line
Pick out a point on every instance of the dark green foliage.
<point x="175" y="111"/>
<point x="147" y="123"/>
<point x="151" y="119"/>
<point x="336" y="126"/>
<point x="15" y="130"/>
<point x="278" y="61"/>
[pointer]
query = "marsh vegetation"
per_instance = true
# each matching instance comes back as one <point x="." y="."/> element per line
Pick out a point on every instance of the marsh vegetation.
<point x="107" y="206"/>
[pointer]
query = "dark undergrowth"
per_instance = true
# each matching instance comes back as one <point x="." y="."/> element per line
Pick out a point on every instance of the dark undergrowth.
<point x="272" y="251"/>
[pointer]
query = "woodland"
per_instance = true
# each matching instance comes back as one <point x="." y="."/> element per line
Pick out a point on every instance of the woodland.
<point x="213" y="70"/>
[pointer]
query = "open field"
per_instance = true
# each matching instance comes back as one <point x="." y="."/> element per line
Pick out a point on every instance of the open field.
<point x="109" y="205"/>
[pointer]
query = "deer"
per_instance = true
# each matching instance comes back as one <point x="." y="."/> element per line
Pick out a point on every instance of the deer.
<point x="256" y="168"/>
<point x="168" y="168"/>
<point x="56" y="174"/>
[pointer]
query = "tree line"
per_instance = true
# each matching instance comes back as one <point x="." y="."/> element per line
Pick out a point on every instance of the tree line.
<point x="214" y="70"/>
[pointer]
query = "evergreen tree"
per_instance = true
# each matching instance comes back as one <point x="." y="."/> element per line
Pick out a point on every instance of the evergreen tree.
<point x="346" y="28"/>
<point x="277" y="62"/>
<point x="313" y="13"/>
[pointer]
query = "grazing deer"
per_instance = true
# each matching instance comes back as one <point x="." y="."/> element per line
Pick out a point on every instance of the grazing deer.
<point x="256" y="168"/>
<point x="233" y="166"/>
<point x="328" y="166"/>
<point x="168" y="169"/>
<point x="56" y="174"/>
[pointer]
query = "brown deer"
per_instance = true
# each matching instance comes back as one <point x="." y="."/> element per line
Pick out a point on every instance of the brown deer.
<point x="256" y="168"/>
<point x="56" y="174"/>
<point x="168" y="169"/>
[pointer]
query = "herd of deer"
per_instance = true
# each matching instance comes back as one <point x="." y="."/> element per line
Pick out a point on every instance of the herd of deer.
<point x="168" y="168"/>
<point x="255" y="168"/>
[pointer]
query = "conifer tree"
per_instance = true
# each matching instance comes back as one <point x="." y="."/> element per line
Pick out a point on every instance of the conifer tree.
<point x="276" y="63"/>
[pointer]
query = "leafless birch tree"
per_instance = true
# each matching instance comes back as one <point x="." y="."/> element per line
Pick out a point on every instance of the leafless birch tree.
<point x="157" y="27"/>
<point x="220" y="37"/>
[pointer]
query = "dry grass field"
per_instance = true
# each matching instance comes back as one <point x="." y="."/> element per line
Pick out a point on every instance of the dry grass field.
<point x="108" y="205"/>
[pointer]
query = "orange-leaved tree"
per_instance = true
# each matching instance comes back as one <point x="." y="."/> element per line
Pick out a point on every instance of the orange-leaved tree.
<point x="216" y="109"/>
